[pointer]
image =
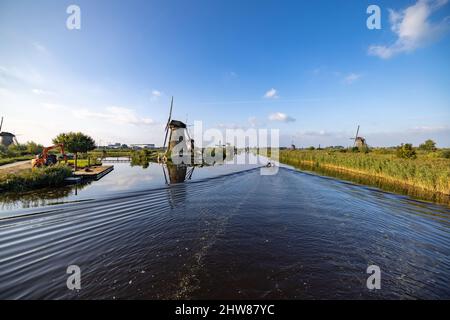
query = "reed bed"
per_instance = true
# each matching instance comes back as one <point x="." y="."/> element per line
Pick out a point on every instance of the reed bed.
<point x="424" y="172"/>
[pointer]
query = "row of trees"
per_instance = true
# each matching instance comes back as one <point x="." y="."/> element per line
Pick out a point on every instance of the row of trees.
<point x="407" y="151"/>
<point x="22" y="149"/>
<point x="74" y="142"/>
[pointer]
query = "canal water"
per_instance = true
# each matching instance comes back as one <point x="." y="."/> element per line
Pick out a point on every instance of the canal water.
<point x="227" y="232"/>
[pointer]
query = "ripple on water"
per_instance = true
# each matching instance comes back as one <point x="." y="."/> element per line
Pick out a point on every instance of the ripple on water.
<point x="291" y="235"/>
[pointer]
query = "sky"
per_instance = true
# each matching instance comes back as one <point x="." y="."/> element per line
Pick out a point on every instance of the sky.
<point x="311" y="69"/>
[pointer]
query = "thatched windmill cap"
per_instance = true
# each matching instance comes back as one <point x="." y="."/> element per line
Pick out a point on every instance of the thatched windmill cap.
<point x="6" y="134"/>
<point x="177" y="124"/>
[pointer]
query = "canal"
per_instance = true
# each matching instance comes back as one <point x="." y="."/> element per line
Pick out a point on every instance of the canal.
<point x="227" y="232"/>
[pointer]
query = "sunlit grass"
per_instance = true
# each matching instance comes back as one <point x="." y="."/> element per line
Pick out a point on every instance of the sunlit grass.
<point x="426" y="172"/>
<point x="52" y="176"/>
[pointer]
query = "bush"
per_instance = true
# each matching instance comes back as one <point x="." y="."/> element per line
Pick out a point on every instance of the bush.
<point x="34" y="148"/>
<point x="445" y="154"/>
<point x="428" y="145"/>
<point x="18" y="150"/>
<point x="406" y="151"/>
<point x="38" y="178"/>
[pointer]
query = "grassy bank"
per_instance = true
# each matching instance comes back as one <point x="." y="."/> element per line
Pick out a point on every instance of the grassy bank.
<point x="426" y="172"/>
<point x="33" y="179"/>
<point x="100" y="153"/>
<point x="83" y="163"/>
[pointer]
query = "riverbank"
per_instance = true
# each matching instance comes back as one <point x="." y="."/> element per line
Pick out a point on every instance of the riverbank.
<point x="28" y="179"/>
<point x="425" y="177"/>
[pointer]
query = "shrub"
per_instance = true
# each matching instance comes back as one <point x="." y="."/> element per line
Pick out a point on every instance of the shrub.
<point x="406" y="151"/>
<point x="428" y="145"/>
<point x="445" y="154"/>
<point x="38" y="178"/>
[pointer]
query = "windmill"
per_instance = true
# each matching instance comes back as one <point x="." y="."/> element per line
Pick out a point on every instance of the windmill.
<point x="6" y="138"/>
<point x="359" y="142"/>
<point x="176" y="133"/>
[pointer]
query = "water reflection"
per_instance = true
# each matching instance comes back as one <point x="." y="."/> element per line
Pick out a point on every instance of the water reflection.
<point x="130" y="174"/>
<point x="237" y="236"/>
<point x="177" y="173"/>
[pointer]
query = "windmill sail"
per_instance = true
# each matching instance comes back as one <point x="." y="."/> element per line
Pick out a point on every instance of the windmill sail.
<point x="168" y="121"/>
<point x="356" y="137"/>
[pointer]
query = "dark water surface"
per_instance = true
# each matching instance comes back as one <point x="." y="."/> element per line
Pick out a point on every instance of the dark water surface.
<point x="244" y="235"/>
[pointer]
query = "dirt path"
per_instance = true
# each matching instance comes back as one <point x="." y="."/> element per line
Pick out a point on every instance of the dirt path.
<point x="15" y="167"/>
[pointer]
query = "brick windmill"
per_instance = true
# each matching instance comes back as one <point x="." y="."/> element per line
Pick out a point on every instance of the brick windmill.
<point x="360" y="142"/>
<point x="6" y="138"/>
<point x="176" y="134"/>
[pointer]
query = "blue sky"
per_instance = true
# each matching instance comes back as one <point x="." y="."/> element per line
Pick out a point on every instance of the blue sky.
<point x="310" y="68"/>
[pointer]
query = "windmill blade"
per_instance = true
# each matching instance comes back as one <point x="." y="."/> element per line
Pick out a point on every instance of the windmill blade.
<point x="1" y="125"/>
<point x="357" y="131"/>
<point x="170" y="114"/>
<point x="356" y="137"/>
<point x="168" y="121"/>
<point x="165" y="139"/>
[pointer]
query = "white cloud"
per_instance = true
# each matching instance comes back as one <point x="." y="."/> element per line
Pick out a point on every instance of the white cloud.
<point x="28" y="76"/>
<point x="430" y="129"/>
<point x="40" y="48"/>
<point x="52" y="106"/>
<point x="351" y="78"/>
<point x="413" y="28"/>
<point x="41" y="92"/>
<point x="253" y="121"/>
<point x="320" y="133"/>
<point x="6" y="93"/>
<point x="114" y="114"/>
<point x="156" y="94"/>
<point x="281" y="117"/>
<point x="271" y="94"/>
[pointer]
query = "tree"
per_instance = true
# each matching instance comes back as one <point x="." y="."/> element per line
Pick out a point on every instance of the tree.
<point x="406" y="151"/>
<point x="34" y="148"/>
<point x="15" y="150"/>
<point x="75" y="142"/>
<point x="428" y="145"/>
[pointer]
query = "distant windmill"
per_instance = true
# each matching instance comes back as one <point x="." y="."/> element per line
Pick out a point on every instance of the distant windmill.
<point x="6" y="138"/>
<point x="359" y="141"/>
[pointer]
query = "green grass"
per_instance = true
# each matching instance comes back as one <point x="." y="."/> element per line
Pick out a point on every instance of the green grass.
<point x="426" y="172"/>
<point x="83" y="163"/>
<point x="4" y="161"/>
<point x="33" y="179"/>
